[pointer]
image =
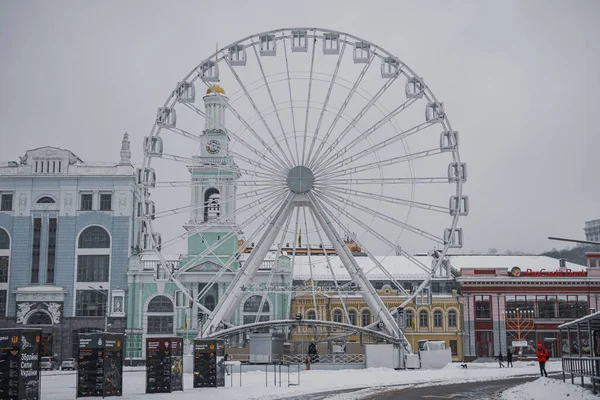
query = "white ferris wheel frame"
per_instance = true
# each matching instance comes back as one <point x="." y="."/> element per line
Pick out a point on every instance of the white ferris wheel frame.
<point x="290" y="199"/>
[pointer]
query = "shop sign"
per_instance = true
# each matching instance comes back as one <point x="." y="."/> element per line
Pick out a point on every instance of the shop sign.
<point x="517" y="272"/>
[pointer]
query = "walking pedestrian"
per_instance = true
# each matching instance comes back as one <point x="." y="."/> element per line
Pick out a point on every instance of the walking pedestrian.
<point x="500" y="359"/>
<point x="542" y="356"/>
<point x="509" y="359"/>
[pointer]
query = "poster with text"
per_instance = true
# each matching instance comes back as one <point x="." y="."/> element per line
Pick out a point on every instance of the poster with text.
<point x="158" y="365"/>
<point x="176" y="364"/>
<point x="113" y="365"/>
<point x="90" y="365"/>
<point x="29" y="359"/>
<point x="205" y="363"/>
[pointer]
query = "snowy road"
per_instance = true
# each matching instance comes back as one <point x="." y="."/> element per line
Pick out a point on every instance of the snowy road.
<point x="61" y="385"/>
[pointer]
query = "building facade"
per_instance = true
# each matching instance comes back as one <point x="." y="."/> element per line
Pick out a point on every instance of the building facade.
<point x="67" y="230"/>
<point x="513" y="303"/>
<point x="592" y="230"/>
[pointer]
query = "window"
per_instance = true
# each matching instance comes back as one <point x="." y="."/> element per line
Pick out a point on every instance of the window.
<point x="160" y="304"/>
<point x="423" y="319"/>
<point x="251" y="315"/>
<point x="366" y="318"/>
<point x="253" y="303"/>
<point x="437" y="319"/>
<point x="86" y="202"/>
<point x="209" y="302"/>
<point x="454" y="347"/>
<point x="352" y="315"/>
<point x="94" y="237"/>
<point x="212" y="208"/>
<point x="6" y="202"/>
<point x="105" y="202"/>
<point x="46" y="200"/>
<point x="452" y="318"/>
<point x="92" y="268"/>
<point x="2" y="303"/>
<point x="51" y="250"/>
<point x="337" y="316"/>
<point x="311" y="315"/>
<point x="3" y="271"/>
<point x="483" y="309"/>
<point x="160" y="324"/>
<point x="35" y="250"/>
<point x="90" y="303"/>
<point x="4" y="240"/>
<point x="409" y="316"/>
<point x="546" y="306"/>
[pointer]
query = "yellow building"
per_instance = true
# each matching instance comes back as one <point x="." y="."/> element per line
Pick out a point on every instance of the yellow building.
<point x="441" y="320"/>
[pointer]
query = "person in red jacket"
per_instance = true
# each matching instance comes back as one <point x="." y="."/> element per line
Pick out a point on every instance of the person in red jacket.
<point x="542" y="356"/>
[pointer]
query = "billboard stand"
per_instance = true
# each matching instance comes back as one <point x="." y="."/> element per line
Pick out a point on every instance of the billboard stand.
<point x="209" y="367"/>
<point x="20" y="364"/>
<point x="164" y="364"/>
<point x="100" y="365"/>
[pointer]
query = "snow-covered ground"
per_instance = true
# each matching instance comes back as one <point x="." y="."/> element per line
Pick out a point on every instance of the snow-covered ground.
<point x="546" y="388"/>
<point x="61" y="385"/>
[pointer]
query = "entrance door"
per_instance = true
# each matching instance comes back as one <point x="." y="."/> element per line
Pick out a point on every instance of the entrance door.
<point x="484" y="344"/>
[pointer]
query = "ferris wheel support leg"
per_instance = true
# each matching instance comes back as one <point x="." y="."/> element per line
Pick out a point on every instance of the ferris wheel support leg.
<point x="356" y="273"/>
<point x="233" y="294"/>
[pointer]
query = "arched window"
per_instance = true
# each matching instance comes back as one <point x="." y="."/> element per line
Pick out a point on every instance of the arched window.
<point x="160" y="304"/>
<point x="337" y="316"/>
<point x="437" y="319"/>
<point x="209" y="302"/>
<point x="94" y="237"/>
<point x="4" y="240"/>
<point x="423" y="319"/>
<point x="93" y="255"/>
<point x="46" y="200"/>
<point x="251" y="307"/>
<point x="352" y="315"/>
<point x="212" y="206"/>
<point x="39" y="318"/>
<point x="366" y="317"/>
<point x="311" y="315"/>
<point x="452" y="318"/>
<point x="160" y="315"/>
<point x="409" y="316"/>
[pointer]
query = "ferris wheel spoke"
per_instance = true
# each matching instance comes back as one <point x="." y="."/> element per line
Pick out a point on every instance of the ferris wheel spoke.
<point x="264" y="76"/>
<point x="369" y="131"/>
<point x="233" y="134"/>
<point x="344" y="105"/>
<point x="377" y="146"/>
<point x="332" y="173"/>
<point x="285" y="161"/>
<point x="233" y="233"/>
<point x="389" y="199"/>
<point x="223" y="219"/>
<point x="330" y="267"/>
<point x="382" y="181"/>
<point x="373" y="232"/>
<point x="289" y="81"/>
<point x="383" y="217"/>
<point x="327" y="97"/>
<point x="365" y="109"/>
<point x="225" y="200"/>
<point x="310" y="83"/>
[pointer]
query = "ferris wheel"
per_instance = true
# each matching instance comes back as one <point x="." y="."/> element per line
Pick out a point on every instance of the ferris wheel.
<point x="306" y="139"/>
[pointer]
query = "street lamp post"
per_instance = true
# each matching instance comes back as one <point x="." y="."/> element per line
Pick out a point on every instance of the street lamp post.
<point x="107" y="306"/>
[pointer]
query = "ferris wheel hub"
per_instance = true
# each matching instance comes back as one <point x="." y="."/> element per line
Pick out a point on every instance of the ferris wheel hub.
<point x="300" y="179"/>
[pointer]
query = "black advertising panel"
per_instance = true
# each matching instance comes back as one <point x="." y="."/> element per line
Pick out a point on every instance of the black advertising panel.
<point x="177" y="364"/>
<point x="100" y="365"/>
<point x="158" y="365"/>
<point x="113" y="365"/>
<point x="90" y="365"/>
<point x="220" y="345"/>
<point x="205" y="363"/>
<point x="20" y="364"/>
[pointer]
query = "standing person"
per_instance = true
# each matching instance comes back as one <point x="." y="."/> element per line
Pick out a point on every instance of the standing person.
<point x="509" y="359"/>
<point x="542" y="356"/>
<point x="500" y="359"/>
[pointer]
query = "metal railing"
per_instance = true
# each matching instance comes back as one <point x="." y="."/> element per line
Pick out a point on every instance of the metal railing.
<point x="584" y="367"/>
<point x="324" y="358"/>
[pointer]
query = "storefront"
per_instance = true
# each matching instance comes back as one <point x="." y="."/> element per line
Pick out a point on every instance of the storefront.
<point x="516" y="302"/>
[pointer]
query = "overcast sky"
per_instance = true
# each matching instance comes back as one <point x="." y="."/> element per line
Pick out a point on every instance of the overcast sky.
<point x="519" y="79"/>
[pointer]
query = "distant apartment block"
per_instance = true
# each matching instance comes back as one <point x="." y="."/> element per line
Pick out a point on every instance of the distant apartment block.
<point x="592" y="230"/>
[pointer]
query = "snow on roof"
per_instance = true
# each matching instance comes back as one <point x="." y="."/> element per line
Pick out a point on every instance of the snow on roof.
<point x="397" y="266"/>
<point x="535" y="263"/>
<point x="99" y="164"/>
<point x="153" y="257"/>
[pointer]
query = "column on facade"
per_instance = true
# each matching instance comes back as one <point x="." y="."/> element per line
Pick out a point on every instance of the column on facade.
<point x="499" y="323"/>
<point x="469" y="325"/>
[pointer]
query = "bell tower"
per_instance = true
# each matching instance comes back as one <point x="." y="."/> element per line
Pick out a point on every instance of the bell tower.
<point x="213" y="177"/>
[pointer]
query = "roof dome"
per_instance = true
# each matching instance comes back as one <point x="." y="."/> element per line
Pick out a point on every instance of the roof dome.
<point x="215" y="89"/>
